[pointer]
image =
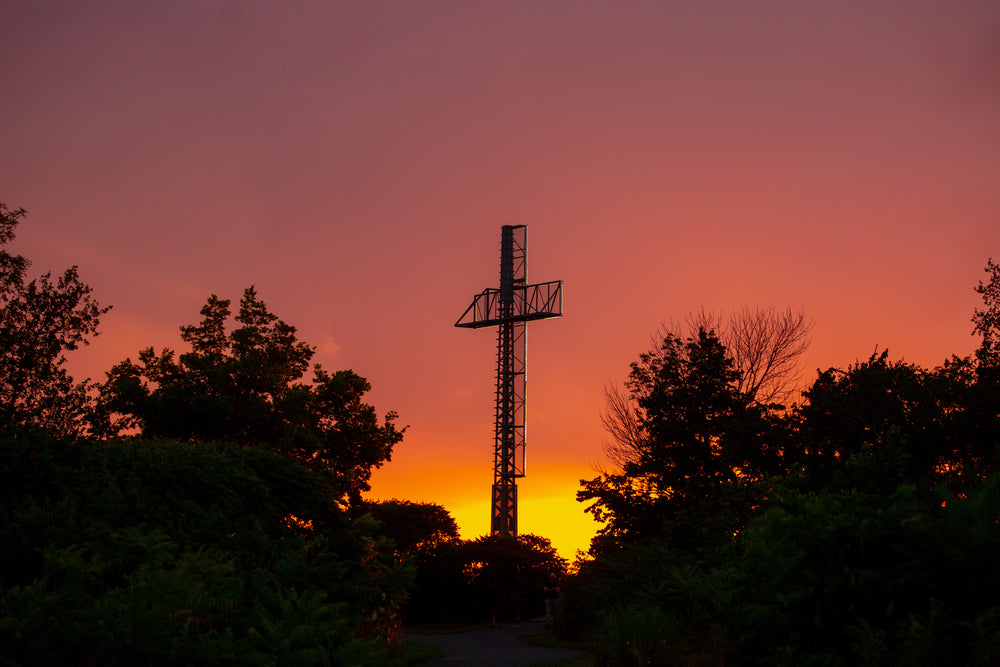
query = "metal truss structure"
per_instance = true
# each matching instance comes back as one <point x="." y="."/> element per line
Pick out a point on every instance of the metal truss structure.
<point x="509" y="308"/>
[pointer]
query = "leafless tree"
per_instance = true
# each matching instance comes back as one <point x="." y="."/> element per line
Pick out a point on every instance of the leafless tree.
<point x="621" y="419"/>
<point x="765" y="345"/>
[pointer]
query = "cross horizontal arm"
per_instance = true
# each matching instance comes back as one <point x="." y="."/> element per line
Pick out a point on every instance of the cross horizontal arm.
<point x="529" y="302"/>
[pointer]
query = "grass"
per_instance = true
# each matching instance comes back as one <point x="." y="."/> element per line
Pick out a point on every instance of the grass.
<point x="549" y="640"/>
<point x="414" y="653"/>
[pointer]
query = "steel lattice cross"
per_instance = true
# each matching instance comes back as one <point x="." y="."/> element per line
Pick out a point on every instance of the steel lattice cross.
<point x="509" y="308"/>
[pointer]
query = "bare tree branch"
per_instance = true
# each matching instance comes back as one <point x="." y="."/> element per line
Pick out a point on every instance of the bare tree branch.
<point x="765" y="345"/>
<point x="622" y="421"/>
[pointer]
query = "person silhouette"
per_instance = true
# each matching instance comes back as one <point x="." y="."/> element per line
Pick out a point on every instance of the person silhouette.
<point x="551" y="593"/>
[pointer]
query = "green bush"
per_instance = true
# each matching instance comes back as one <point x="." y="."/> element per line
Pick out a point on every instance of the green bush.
<point x="828" y="578"/>
<point x="160" y="553"/>
<point x="634" y="636"/>
<point x="849" y="578"/>
<point x="669" y="590"/>
<point x="497" y="579"/>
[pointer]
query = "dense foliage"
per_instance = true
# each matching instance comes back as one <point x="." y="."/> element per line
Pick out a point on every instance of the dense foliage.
<point x="899" y="424"/>
<point x="704" y="444"/>
<point x="413" y="528"/>
<point x="859" y="527"/>
<point x="164" y="553"/>
<point x="861" y="578"/>
<point x="40" y="320"/>
<point x="987" y="319"/>
<point x="824" y="578"/>
<point x="493" y="579"/>
<point x="243" y="387"/>
<point x="207" y="509"/>
<point x="496" y="579"/>
<point x="190" y="516"/>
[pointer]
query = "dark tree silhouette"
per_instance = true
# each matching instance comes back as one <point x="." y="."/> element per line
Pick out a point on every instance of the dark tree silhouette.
<point x="243" y="387"/>
<point x="157" y="552"/>
<point x="859" y="526"/>
<point x="987" y="320"/>
<point x="511" y="572"/>
<point x="41" y="320"/>
<point x="765" y="345"/>
<point x="882" y="423"/>
<point x="703" y="443"/>
<point x="412" y="527"/>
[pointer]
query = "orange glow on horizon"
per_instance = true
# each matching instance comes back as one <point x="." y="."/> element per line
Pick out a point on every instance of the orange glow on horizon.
<point x="547" y="503"/>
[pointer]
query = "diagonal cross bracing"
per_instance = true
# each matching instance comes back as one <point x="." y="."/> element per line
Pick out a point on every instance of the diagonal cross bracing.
<point x="529" y="302"/>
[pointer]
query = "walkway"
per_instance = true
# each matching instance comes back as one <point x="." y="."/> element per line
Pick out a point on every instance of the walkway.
<point x="491" y="647"/>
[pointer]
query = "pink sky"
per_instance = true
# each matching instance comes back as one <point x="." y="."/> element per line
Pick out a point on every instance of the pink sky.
<point x="356" y="160"/>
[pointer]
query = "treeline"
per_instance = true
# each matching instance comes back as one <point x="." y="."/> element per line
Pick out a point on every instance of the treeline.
<point x="158" y="552"/>
<point x="860" y="526"/>
<point x="204" y="506"/>
<point x="194" y="508"/>
<point x="491" y="579"/>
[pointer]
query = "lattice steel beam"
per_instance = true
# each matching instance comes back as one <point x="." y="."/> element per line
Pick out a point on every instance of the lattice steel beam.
<point x="509" y="308"/>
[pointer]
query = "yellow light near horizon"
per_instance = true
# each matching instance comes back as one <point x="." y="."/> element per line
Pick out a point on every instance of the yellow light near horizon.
<point x="555" y="518"/>
<point x="547" y="504"/>
<point x="561" y="519"/>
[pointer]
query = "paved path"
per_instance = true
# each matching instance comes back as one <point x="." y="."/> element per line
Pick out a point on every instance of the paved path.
<point x="491" y="647"/>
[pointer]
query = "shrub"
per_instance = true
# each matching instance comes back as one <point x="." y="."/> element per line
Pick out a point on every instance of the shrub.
<point x="634" y="636"/>
<point x="160" y="553"/>
<point x="842" y="578"/>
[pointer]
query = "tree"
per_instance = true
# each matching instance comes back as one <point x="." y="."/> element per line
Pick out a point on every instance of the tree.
<point x="41" y="320"/>
<point x="511" y="573"/>
<point x="883" y="423"/>
<point x="244" y="387"/>
<point x="841" y="578"/>
<point x="125" y="552"/>
<point x="703" y="443"/>
<point x="494" y="576"/>
<point x="987" y="320"/>
<point x="765" y="346"/>
<point x="412" y="527"/>
<point x="985" y="403"/>
<point x="622" y="420"/>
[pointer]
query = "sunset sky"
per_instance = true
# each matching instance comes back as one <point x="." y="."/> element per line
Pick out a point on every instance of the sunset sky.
<point x="355" y="162"/>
